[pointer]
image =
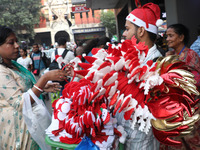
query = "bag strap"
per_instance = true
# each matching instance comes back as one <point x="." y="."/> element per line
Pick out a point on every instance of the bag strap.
<point x="56" y="52"/>
<point x="40" y="59"/>
<point x="27" y="103"/>
<point x="64" y="53"/>
<point x="37" y="100"/>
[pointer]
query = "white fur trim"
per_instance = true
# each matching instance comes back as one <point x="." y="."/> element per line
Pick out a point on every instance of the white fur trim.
<point x="159" y="22"/>
<point x="139" y="22"/>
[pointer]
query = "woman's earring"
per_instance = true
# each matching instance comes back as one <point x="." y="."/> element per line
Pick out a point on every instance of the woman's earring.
<point x="1" y="60"/>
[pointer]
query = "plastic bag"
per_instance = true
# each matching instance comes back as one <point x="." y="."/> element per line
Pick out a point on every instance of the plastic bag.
<point x="86" y="143"/>
<point x="37" y="119"/>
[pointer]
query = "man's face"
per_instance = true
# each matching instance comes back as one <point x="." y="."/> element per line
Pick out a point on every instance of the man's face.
<point x="130" y="30"/>
<point x="35" y="48"/>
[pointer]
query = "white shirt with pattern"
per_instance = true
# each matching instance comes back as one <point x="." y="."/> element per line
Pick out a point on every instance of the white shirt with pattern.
<point x="25" y="61"/>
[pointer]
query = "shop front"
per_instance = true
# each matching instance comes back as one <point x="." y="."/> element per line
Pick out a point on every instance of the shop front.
<point x="84" y="34"/>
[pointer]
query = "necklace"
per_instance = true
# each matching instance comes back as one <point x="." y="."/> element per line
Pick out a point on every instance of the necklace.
<point x="181" y="50"/>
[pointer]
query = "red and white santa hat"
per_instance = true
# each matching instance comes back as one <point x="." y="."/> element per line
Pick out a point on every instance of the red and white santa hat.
<point x="147" y="16"/>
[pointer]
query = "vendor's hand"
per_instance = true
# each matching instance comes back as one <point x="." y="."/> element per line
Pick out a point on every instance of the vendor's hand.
<point x="69" y="69"/>
<point x="52" y="87"/>
<point x="56" y="75"/>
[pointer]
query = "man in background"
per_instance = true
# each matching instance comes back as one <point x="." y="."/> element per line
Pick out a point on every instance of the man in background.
<point x="67" y="56"/>
<point x="39" y="61"/>
<point x="61" y="49"/>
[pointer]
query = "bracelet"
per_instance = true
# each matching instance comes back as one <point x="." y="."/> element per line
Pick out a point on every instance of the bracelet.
<point x="39" y="89"/>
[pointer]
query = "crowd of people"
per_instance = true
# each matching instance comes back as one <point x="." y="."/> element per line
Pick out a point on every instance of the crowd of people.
<point x="37" y="73"/>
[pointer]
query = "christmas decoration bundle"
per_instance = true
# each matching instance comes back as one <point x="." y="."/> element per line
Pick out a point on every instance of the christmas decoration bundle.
<point x="158" y="95"/>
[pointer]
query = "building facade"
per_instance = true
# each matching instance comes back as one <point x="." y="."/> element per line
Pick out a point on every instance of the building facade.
<point x="176" y="11"/>
<point x="69" y="19"/>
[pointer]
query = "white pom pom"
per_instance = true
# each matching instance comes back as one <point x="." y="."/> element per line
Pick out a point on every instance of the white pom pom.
<point x="122" y="40"/>
<point x="83" y="55"/>
<point x="61" y="116"/>
<point x="159" y="22"/>
<point x="65" y="107"/>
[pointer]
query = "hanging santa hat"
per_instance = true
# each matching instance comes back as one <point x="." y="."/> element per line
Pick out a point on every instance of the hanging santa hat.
<point x="147" y="16"/>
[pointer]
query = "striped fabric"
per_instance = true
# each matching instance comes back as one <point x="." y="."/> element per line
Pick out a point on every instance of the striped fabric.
<point x="137" y="140"/>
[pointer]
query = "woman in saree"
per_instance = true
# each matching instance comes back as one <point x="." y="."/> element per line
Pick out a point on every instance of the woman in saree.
<point x="15" y="81"/>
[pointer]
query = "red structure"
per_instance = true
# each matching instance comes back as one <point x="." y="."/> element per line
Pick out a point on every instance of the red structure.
<point x="87" y="17"/>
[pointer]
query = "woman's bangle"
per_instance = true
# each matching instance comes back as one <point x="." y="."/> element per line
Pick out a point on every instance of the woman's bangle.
<point x="39" y="89"/>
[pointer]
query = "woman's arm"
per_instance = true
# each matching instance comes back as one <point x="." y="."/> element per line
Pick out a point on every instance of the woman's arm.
<point x="53" y="75"/>
<point x="11" y="91"/>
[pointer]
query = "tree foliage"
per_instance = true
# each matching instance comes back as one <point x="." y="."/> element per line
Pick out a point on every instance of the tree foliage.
<point x="20" y="15"/>
<point x="108" y="20"/>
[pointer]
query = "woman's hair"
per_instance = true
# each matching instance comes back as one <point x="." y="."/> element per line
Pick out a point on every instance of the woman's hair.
<point x="90" y="44"/>
<point x="180" y="29"/>
<point x="4" y="33"/>
<point x="102" y="41"/>
<point x="24" y="49"/>
<point x="198" y="29"/>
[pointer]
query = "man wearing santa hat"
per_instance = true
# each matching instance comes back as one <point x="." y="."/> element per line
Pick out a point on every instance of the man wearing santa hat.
<point x="142" y="23"/>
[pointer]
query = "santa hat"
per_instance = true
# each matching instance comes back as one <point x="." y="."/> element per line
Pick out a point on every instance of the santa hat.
<point x="147" y="16"/>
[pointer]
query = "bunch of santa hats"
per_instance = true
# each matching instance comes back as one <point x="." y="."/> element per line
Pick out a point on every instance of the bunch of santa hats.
<point x="75" y="117"/>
